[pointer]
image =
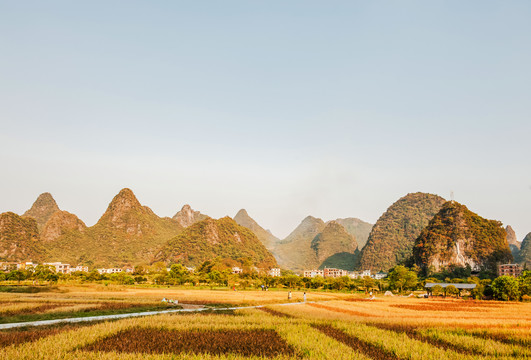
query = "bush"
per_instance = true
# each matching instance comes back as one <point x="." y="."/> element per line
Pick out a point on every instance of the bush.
<point x="506" y="288"/>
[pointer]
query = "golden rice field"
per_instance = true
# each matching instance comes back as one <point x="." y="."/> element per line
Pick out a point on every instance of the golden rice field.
<point x="330" y="326"/>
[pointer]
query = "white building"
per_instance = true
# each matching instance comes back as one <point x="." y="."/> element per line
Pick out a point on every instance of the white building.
<point x="79" y="268"/>
<point x="365" y="273"/>
<point x="236" y="270"/>
<point x="274" y="272"/>
<point x="380" y="275"/>
<point x="26" y="265"/>
<point x="110" y="271"/>
<point x="60" y="267"/>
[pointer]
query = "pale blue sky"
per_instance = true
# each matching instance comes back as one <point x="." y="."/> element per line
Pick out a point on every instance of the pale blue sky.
<point x="286" y="108"/>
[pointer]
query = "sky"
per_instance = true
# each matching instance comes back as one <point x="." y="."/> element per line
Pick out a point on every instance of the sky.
<point x="285" y="108"/>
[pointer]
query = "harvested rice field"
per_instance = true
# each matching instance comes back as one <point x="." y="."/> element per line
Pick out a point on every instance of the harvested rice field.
<point x="329" y="326"/>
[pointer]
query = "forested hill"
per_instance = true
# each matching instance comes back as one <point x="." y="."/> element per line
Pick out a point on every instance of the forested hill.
<point x="458" y="236"/>
<point x="210" y="238"/>
<point x="393" y="236"/>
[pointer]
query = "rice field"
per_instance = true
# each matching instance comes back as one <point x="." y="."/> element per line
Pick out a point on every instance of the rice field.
<point x="331" y="326"/>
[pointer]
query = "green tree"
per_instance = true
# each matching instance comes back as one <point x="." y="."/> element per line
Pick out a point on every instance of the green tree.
<point x="16" y="275"/>
<point x="401" y="278"/>
<point x="451" y="290"/>
<point x="290" y="281"/>
<point x="179" y="274"/>
<point x="437" y="290"/>
<point x="524" y="283"/>
<point x="368" y="283"/>
<point x="506" y="288"/>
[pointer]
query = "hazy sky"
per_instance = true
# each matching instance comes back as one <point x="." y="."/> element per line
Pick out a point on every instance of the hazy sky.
<point x="285" y="108"/>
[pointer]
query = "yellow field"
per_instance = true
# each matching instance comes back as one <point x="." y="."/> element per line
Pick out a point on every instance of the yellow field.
<point x="333" y="326"/>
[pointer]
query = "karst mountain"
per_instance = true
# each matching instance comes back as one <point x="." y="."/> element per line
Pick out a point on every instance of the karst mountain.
<point x="392" y="238"/>
<point x="457" y="236"/>
<point x="418" y="227"/>
<point x="268" y="239"/>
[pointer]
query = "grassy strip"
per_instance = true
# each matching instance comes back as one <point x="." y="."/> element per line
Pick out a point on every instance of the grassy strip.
<point x="400" y="344"/>
<point x="23" y="335"/>
<point x="471" y="306"/>
<point x="313" y="344"/>
<point x="104" y="310"/>
<point x="344" y="311"/>
<point x="27" y="289"/>
<point x="29" y="310"/>
<point x="411" y="332"/>
<point x="276" y="313"/>
<point x="509" y="339"/>
<point x="477" y="345"/>
<point x="374" y="352"/>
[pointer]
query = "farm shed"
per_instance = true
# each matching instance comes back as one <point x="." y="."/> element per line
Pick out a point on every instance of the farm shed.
<point x="429" y="287"/>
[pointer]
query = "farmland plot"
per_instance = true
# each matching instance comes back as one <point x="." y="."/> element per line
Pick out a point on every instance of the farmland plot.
<point x="341" y="328"/>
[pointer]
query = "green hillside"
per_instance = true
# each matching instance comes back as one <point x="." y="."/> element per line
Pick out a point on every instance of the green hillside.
<point x="19" y="239"/>
<point x="268" y="239"/>
<point x="457" y="236"/>
<point x="209" y="239"/>
<point x="332" y="240"/>
<point x="357" y="228"/>
<point x="295" y="251"/>
<point x="393" y="236"/>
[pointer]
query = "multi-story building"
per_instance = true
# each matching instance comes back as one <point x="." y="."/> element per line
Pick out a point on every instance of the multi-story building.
<point x="79" y="268"/>
<point x="60" y="267"/>
<point x="110" y="271"/>
<point x="334" y="273"/>
<point x="514" y="270"/>
<point x="275" y="272"/>
<point x="8" y="266"/>
<point x="26" y="265"/>
<point x="313" y="273"/>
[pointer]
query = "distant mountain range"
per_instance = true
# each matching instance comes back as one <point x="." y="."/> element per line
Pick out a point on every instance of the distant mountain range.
<point x="129" y="233"/>
<point x="265" y="236"/>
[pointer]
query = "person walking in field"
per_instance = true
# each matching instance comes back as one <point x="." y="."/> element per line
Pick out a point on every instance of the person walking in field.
<point x="304" y="295"/>
<point x="289" y="295"/>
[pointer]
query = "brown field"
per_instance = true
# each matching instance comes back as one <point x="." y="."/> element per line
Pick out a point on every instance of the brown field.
<point x="337" y="326"/>
<point x="265" y="343"/>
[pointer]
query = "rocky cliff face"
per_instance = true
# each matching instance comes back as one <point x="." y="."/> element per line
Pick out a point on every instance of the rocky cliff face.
<point x="393" y="236"/>
<point x="524" y="256"/>
<point x="268" y="239"/>
<point x="210" y="238"/>
<point x="457" y="236"/>
<point x="187" y="216"/>
<point x="514" y="244"/>
<point x="61" y="223"/>
<point x="19" y="239"/>
<point x="42" y="209"/>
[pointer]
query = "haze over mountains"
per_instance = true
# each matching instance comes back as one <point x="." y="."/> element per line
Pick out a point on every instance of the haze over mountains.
<point x="129" y="233"/>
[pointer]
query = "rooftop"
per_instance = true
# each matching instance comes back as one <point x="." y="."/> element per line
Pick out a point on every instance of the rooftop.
<point x="457" y="286"/>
